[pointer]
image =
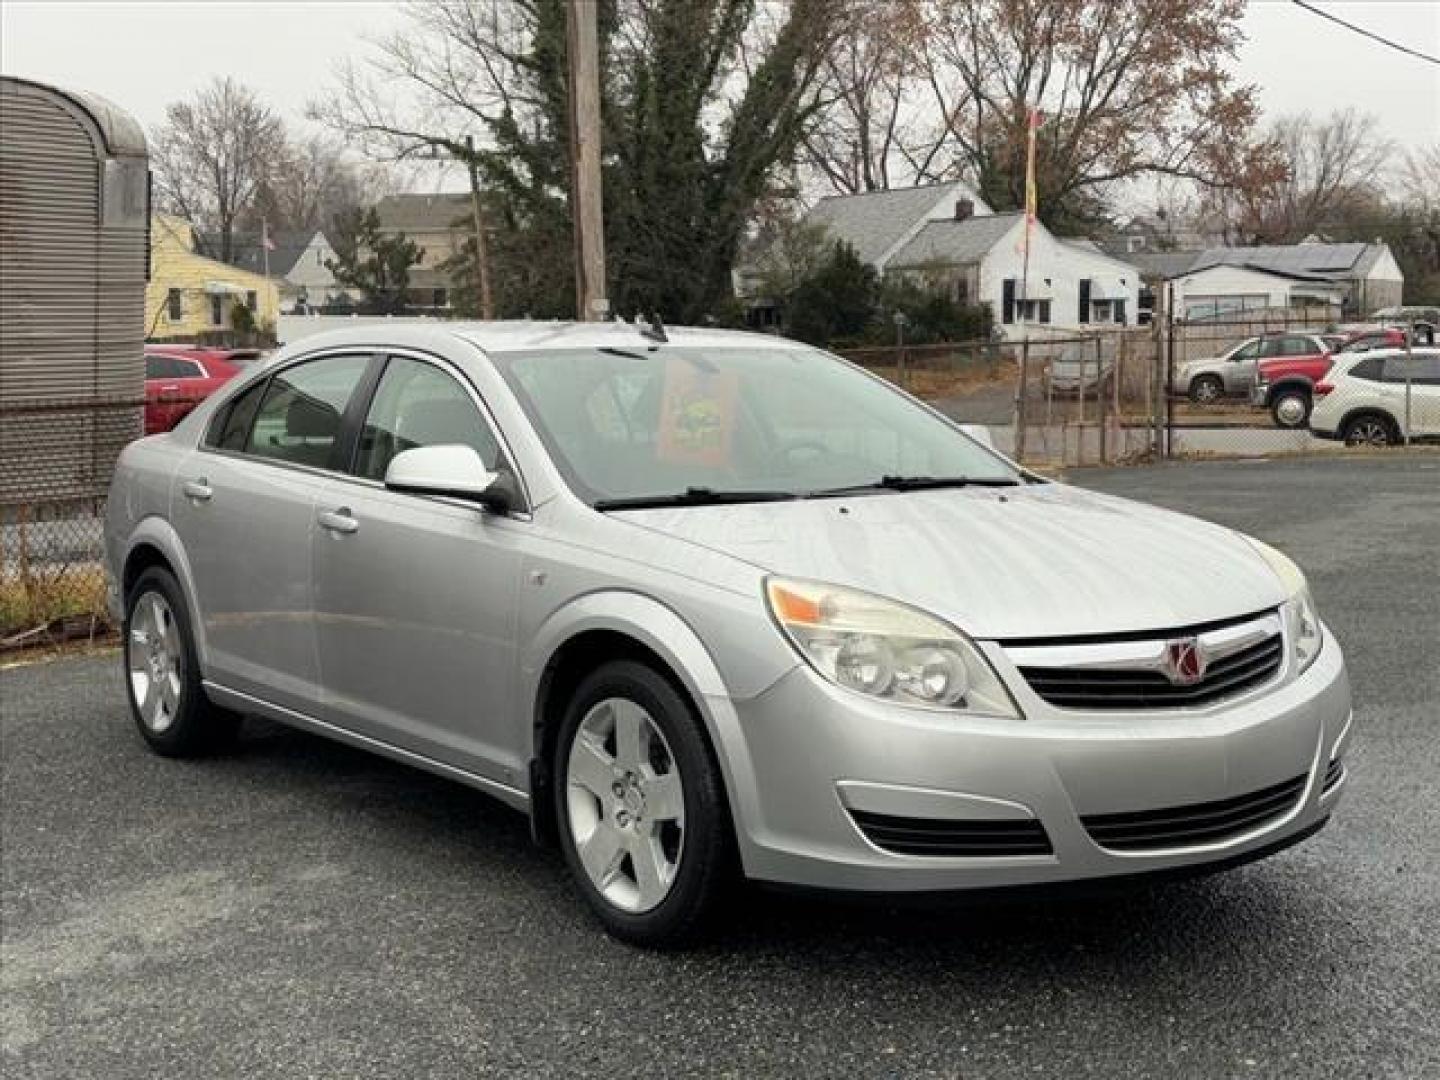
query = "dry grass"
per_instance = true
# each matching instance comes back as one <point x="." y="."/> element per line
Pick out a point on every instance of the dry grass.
<point x="40" y="596"/>
<point x="931" y="384"/>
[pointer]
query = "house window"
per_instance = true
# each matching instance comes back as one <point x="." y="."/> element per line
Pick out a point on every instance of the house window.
<point x="1036" y="311"/>
<point x="172" y="305"/>
<point x="441" y="298"/>
<point x="251" y="300"/>
<point x="962" y="289"/>
<point x="217" y="310"/>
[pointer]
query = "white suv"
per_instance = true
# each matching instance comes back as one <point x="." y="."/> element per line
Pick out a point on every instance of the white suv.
<point x="1362" y="398"/>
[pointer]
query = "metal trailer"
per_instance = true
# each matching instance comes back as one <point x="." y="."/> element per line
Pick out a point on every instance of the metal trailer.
<point x="74" y="258"/>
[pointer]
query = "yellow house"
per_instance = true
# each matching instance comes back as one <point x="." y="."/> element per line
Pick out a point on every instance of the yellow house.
<point x="189" y="295"/>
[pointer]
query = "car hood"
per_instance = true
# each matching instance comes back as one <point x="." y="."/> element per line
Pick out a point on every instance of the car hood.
<point x="1035" y="561"/>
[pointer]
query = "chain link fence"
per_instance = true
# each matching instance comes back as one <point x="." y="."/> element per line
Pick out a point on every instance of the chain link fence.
<point x="56" y="459"/>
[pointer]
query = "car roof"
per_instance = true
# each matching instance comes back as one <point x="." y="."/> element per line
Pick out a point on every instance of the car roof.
<point x="519" y="336"/>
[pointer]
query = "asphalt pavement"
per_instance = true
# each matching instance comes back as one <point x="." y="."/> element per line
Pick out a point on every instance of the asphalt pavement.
<point x="302" y="909"/>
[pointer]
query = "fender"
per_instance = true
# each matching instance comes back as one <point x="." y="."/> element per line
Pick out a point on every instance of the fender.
<point x="1289" y="382"/>
<point x="666" y="634"/>
<point x="158" y="533"/>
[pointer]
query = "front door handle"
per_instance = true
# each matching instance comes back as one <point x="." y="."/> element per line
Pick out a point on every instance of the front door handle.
<point x="198" y="490"/>
<point x="338" y="521"/>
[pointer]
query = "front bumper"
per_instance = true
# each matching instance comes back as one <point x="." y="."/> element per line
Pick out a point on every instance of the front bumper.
<point x="819" y="760"/>
<point x="1260" y="395"/>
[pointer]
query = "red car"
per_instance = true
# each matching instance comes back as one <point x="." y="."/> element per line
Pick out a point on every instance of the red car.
<point x="1286" y="385"/>
<point x="177" y="378"/>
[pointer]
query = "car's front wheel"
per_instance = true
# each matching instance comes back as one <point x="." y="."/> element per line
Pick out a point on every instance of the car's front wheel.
<point x="1290" y="408"/>
<point x="162" y="674"/>
<point x="641" y="806"/>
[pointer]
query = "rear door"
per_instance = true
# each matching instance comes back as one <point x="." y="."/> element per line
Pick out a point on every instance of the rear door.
<point x="1424" y="391"/>
<point x="416" y="596"/>
<point x="244" y="506"/>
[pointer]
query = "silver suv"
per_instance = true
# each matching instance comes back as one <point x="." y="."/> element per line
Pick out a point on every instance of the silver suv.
<point x="1234" y="373"/>
<point x="704" y="604"/>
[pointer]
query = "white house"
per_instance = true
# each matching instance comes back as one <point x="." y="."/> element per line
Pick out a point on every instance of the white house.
<point x="944" y="236"/>
<point x="299" y="260"/>
<point x="1355" y="279"/>
<point x="1069" y="284"/>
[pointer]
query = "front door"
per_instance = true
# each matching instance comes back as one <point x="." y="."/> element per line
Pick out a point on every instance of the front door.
<point x="416" y="596"/>
<point x="244" y="506"/>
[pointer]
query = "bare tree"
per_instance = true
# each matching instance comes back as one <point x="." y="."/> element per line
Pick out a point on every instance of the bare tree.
<point x="870" y="100"/>
<point x="1127" y="90"/>
<point x="211" y="157"/>
<point x="1334" y="174"/>
<point x="313" y="184"/>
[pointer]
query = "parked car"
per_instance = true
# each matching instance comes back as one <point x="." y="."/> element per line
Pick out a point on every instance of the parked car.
<point x="1286" y="387"/>
<point x="1234" y="373"/>
<point x="176" y="380"/>
<point x="1077" y="370"/>
<point x="1363" y="399"/>
<point x="1378" y="337"/>
<point x="702" y="602"/>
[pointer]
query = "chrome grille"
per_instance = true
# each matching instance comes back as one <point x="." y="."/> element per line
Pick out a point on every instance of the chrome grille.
<point x="1127" y="674"/>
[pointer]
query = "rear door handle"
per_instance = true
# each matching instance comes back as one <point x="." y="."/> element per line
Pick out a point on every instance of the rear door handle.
<point x="338" y="521"/>
<point x="198" y="490"/>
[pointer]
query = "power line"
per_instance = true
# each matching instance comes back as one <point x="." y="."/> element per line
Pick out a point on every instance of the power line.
<point x="1365" y="33"/>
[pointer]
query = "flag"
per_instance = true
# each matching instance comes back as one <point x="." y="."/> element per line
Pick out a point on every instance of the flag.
<point x="1032" y="125"/>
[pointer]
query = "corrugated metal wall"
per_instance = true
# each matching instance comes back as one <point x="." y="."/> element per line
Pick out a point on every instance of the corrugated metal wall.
<point x="72" y="292"/>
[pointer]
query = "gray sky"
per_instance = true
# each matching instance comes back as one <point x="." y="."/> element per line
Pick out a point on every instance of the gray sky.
<point x="143" y="55"/>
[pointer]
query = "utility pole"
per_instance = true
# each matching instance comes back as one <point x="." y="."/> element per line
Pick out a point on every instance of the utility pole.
<point x="583" y="54"/>
<point x="482" y="252"/>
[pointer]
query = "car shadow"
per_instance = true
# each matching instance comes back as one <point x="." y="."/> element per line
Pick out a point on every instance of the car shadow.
<point x="1151" y="933"/>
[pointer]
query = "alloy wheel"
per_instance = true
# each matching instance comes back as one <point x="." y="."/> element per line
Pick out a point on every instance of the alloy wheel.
<point x="626" y="805"/>
<point x="1368" y="433"/>
<point x="154" y="658"/>
<point x="1207" y="392"/>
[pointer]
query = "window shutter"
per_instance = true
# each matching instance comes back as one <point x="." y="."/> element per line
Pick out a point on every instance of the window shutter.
<point x="1007" y="301"/>
<point x="1085" y="300"/>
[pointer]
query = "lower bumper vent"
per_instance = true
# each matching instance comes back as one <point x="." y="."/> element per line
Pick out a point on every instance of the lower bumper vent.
<point x="1198" y="823"/>
<point x="950" y="838"/>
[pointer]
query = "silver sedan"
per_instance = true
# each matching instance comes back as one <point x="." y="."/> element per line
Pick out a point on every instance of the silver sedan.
<point x="706" y="604"/>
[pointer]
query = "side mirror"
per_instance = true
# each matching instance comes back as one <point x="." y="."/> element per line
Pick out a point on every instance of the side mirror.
<point x="980" y="433"/>
<point x="454" y="471"/>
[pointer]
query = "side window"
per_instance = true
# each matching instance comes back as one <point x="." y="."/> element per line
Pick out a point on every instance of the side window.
<point x="1424" y="369"/>
<point x="299" y="417"/>
<point x="1300" y="346"/>
<point x="1248" y="351"/>
<point x="417" y="404"/>
<point x="231" y="426"/>
<point x="155" y="367"/>
<point x="1272" y="347"/>
<point x="1368" y="369"/>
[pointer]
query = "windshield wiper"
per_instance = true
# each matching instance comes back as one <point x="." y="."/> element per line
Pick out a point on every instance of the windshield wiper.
<point x="916" y="483"/>
<point x="692" y="496"/>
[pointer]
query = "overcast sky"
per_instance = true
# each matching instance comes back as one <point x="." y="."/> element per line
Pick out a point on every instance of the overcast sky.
<point x="143" y="55"/>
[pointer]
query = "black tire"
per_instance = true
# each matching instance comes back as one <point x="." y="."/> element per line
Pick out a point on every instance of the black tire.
<point x="1370" y="429"/>
<point x="1290" y="408"/>
<point x="706" y="859"/>
<point x="194" y="726"/>
<point x="1206" y="389"/>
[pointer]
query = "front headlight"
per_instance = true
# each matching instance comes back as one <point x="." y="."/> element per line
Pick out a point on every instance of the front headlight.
<point x="1302" y="621"/>
<point x="885" y="649"/>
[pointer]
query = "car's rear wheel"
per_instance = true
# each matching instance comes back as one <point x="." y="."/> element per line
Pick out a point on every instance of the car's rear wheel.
<point x="1206" y="390"/>
<point x="641" y="807"/>
<point x="162" y="674"/>
<point x="1370" y="429"/>
<point x="1290" y="408"/>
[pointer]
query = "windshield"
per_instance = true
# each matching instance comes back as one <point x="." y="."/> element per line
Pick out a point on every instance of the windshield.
<point x="659" y="421"/>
